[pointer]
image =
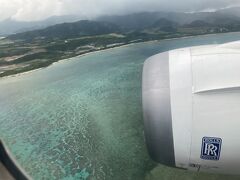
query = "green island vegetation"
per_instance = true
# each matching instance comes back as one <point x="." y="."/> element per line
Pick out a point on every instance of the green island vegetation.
<point x="35" y="49"/>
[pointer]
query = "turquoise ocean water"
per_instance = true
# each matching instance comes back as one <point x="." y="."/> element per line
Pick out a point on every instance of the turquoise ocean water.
<point x="82" y="118"/>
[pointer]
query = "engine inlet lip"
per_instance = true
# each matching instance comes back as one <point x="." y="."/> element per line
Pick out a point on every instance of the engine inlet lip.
<point x="157" y="109"/>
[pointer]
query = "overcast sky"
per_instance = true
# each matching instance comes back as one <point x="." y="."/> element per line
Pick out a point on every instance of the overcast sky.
<point x="33" y="10"/>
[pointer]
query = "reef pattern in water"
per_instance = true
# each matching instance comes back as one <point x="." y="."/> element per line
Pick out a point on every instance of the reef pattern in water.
<point x="82" y="118"/>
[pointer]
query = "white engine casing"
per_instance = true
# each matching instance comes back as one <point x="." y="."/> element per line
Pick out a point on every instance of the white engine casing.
<point x="203" y="122"/>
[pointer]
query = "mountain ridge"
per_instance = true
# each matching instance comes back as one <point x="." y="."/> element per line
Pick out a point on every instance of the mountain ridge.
<point x="69" y="30"/>
<point x="135" y="21"/>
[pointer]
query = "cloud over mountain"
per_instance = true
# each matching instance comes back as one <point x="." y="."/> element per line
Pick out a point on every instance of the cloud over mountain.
<point x="34" y="10"/>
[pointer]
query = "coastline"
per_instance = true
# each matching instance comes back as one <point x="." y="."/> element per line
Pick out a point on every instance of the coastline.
<point x="110" y="48"/>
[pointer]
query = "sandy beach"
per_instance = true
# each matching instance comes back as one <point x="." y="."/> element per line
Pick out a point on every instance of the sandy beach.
<point x="107" y="49"/>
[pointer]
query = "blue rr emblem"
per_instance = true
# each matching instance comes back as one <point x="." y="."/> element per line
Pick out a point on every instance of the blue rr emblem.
<point x="211" y="148"/>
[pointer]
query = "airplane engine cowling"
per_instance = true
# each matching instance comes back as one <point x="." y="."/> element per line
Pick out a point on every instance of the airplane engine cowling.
<point x="191" y="107"/>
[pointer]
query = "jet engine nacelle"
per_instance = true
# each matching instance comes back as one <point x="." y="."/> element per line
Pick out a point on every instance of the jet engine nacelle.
<point x="191" y="105"/>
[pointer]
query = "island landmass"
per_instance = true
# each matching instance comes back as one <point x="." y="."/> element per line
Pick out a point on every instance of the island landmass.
<point x="26" y="51"/>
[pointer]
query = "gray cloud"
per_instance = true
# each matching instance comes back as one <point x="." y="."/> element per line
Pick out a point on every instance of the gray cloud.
<point x="33" y="10"/>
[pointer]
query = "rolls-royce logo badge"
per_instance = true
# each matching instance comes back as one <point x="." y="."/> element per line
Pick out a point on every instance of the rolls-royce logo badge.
<point x="211" y="148"/>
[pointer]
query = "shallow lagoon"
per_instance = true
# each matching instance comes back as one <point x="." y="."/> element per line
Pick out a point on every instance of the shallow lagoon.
<point x="82" y="119"/>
